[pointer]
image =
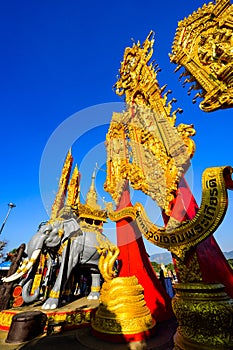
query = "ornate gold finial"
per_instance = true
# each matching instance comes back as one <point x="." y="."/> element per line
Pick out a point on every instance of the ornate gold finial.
<point x="91" y="209"/>
<point x="91" y="198"/>
<point x="143" y="144"/>
<point x="73" y="188"/>
<point x="59" y="201"/>
<point x="203" y="46"/>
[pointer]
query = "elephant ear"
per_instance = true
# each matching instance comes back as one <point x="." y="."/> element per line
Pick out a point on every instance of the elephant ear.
<point x="69" y="227"/>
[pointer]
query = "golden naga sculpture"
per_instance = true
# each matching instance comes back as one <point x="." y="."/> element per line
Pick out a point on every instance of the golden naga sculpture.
<point x="203" y="46"/>
<point x="183" y="239"/>
<point x="122" y="310"/>
<point x="143" y="144"/>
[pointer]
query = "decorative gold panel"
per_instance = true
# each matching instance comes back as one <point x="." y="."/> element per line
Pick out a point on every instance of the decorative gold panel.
<point x="143" y="143"/>
<point x="203" y="46"/>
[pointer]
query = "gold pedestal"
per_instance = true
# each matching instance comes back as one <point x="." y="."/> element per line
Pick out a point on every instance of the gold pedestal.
<point x="122" y="314"/>
<point x="205" y="316"/>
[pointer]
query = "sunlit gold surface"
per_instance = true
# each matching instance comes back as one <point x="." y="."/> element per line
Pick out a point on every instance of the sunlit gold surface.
<point x="181" y="239"/>
<point x="91" y="209"/>
<point x="122" y="308"/>
<point x="203" y="46"/>
<point x="108" y="256"/>
<point x="62" y="187"/>
<point x="73" y="188"/>
<point x="143" y="144"/>
<point x="205" y="316"/>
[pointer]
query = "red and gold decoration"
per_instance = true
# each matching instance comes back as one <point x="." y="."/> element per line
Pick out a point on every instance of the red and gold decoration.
<point x="75" y="315"/>
<point x="140" y="145"/>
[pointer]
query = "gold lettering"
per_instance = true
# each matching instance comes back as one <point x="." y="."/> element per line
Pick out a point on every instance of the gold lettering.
<point x="213" y="201"/>
<point x="213" y="183"/>
<point x="173" y="239"/>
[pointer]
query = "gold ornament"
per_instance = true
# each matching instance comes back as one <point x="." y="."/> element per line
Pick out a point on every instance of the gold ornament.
<point x="205" y="315"/>
<point x="143" y="144"/>
<point x="181" y="239"/>
<point x="122" y="308"/>
<point x="203" y="46"/>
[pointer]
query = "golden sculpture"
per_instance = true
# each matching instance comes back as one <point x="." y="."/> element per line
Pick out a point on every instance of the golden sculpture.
<point x="145" y="147"/>
<point x="203" y="46"/>
<point x="143" y="143"/>
<point x="122" y="310"/>
<point x="180" y="240"/>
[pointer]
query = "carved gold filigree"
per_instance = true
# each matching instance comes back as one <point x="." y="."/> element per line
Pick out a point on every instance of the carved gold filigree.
<point x="91" y="209"/>
<point x="189" y="272"/>
<point x="143" y="144"/>
<point x="205" y="315"/>
<point x="203" y="46"/>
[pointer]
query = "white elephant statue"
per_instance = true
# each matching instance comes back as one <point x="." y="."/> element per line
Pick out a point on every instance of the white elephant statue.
<point x="78" y="249"/>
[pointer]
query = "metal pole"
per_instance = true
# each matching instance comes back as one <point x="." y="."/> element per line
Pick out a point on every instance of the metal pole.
<point x="11" y="206"/>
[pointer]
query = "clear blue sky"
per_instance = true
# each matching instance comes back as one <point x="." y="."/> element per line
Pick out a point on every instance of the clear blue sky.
<point x="61" y="57"/>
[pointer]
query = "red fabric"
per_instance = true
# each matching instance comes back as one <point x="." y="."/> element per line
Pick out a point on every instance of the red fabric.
<point x="214" y="266"/>
<point x="134" y="261"/>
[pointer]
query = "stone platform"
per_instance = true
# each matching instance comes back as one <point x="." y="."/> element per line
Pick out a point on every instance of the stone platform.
<point x="77" y="334"/>
<point x="82" y="339"/>
<point x="76" y="314"/>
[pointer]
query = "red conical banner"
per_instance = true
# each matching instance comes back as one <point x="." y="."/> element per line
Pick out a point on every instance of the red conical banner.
<point x="134" y="260"/>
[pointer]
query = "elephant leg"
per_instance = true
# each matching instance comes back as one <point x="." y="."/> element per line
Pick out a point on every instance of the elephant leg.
<point x="95" y="287"/>
<point x="52" y="302"/>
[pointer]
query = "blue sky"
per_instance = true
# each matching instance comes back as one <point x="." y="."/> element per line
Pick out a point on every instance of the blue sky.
<point x="59" y="61"/>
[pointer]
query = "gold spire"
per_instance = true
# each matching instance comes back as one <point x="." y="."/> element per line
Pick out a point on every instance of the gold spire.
<point x="59" y="201"/>
<point x="73" y="188"/>
<point x="91" y="198"/>
<point x="91" y="209"/>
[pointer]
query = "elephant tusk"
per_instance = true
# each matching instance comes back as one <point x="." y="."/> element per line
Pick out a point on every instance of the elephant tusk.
<point x="24" y="268"/>
<point x="12" y="277"/>
<point x="16" y="274"/>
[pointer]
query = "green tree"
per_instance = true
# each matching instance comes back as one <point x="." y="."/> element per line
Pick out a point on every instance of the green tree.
<point x="156" y="266"/>
<point x="230" y="262"/>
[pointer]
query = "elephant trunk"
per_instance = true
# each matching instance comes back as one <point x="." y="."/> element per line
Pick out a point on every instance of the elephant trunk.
<point x="27" y="297"/>
<point x="24" y="267"/>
